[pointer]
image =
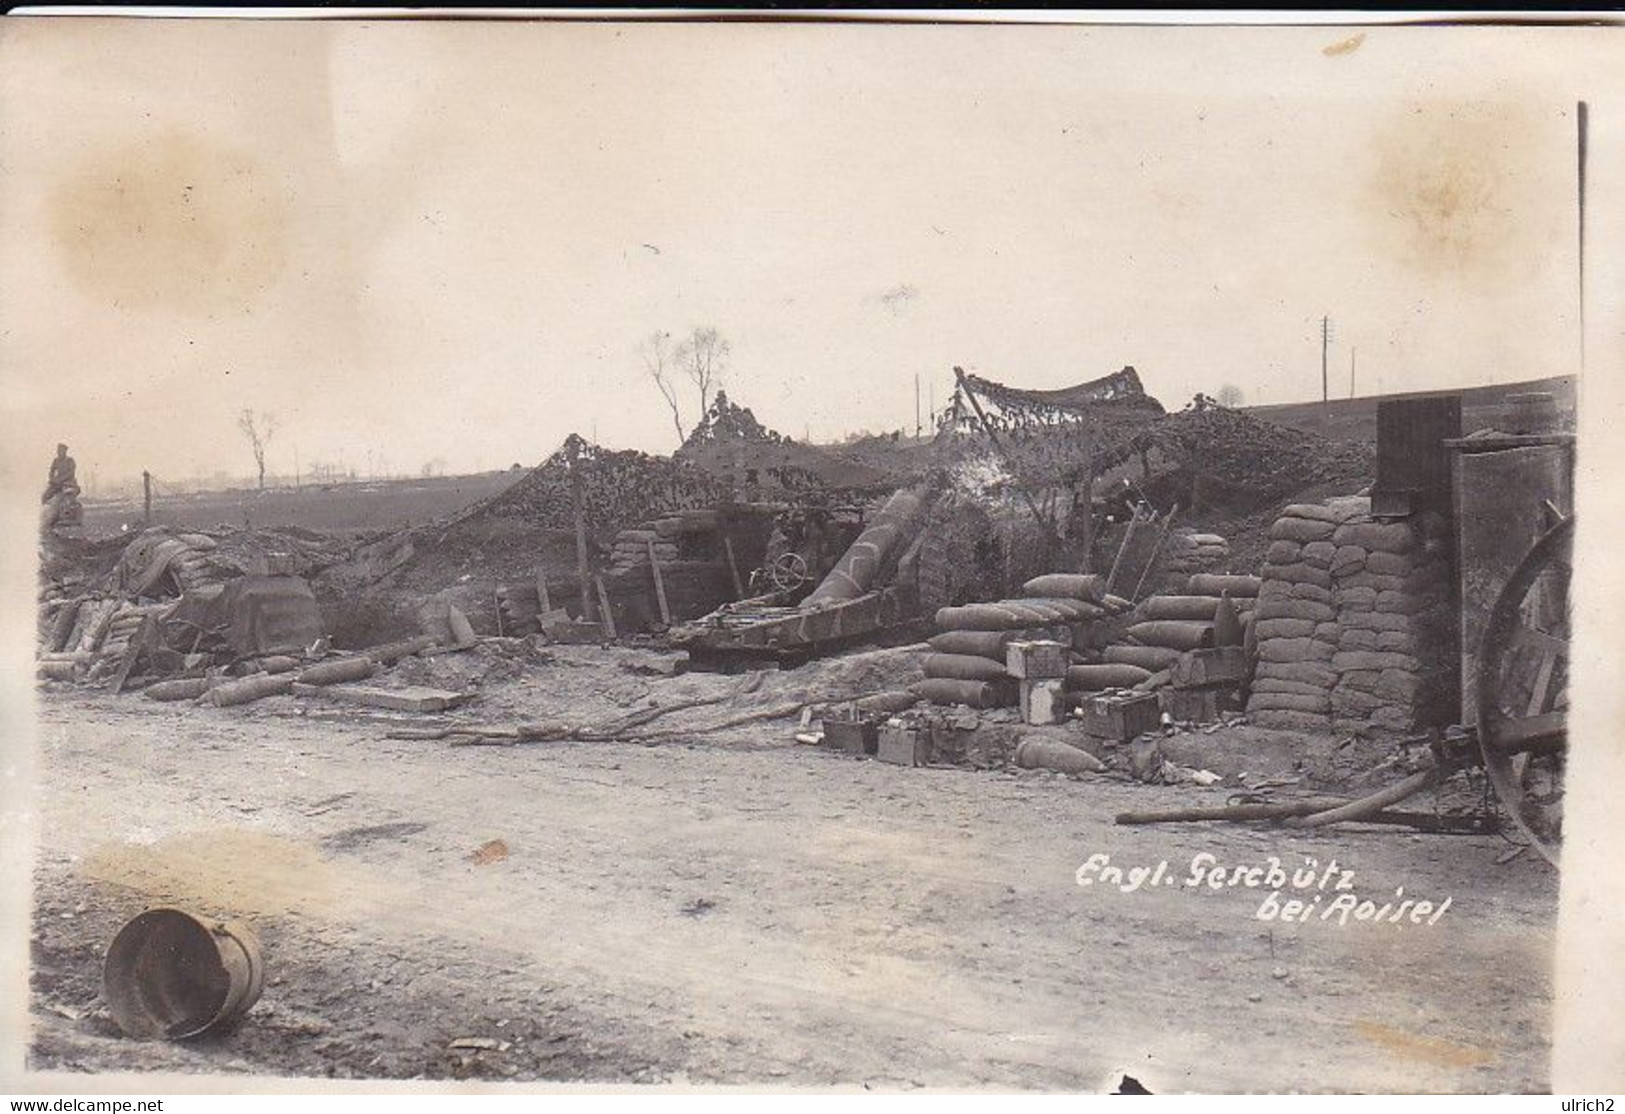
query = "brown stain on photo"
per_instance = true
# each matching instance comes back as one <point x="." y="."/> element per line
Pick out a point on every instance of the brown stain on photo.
<point x="1463" y="191"/>
<point x="1427" y="1050"/>
<point x="222" y="870"/>
<point x="1346" y="46"/>
<point x="171" y="222"/>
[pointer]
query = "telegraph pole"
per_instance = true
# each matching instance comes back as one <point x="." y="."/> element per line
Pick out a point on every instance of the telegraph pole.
<point x="916" y="404"/>
<point x="1325" y="343"/>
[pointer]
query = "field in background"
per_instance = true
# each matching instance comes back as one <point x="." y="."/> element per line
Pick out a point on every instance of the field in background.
<point x="356" y="508"/>
<point x="365" y="507"/>
<point x="1355" y="419"/>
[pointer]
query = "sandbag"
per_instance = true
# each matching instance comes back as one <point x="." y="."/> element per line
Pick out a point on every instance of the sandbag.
<point x="1292" y="528"/>
<point x="1077" y="586"/>
<point x="1174" y="634"/>
<point x="963" y="667"/>
<point x="1285" y="628"/>
<point x="1319" y="555"/>
<point x="1315" y="512"/>
<point x="1198" y="608"/>
<point x="1294" y="650"/>
<point x="1301" y="572"/>
<point x="1318" y="674"/>
<point x="1273" y="684"/>
<point x="1283" y="553"/>
<point x="1153" y="658"/>
<point x="975" y="694"/>
<point x="1384" y="537"/>
<point x="1304" y="610"/>
<point x="1215" y="584"/>
<point x="1112" y="675"/>
<point x="1116" y="605"/>
<point x="1289" y="702"/>
<point x="985" y="644"/>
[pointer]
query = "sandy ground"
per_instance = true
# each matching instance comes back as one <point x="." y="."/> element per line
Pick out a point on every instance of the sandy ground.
<point x="744" y="909"/>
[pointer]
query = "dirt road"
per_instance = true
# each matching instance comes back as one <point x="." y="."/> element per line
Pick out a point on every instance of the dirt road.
<point x="750" y="910"/>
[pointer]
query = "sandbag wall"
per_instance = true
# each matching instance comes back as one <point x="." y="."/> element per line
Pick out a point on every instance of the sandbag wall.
<point x="1348" y="622"/>
<point x="1187" y="552"/>
<point x="967" y="663"/>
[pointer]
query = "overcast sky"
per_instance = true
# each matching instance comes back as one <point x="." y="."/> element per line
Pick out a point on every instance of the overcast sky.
<point x="437" y="240"/>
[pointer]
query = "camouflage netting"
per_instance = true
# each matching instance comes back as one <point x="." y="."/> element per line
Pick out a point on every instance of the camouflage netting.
<point x="1245" y="454"/>
<point x="1053" y="437"/>
<point x="762" y="463"/>
<point x="618" y="489"/>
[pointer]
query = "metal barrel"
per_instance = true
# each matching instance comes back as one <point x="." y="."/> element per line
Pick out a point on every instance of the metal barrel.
<point x="172" y="975"/>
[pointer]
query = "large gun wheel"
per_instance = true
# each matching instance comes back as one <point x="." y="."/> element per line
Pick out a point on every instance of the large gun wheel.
<point x="1522" y="689"/>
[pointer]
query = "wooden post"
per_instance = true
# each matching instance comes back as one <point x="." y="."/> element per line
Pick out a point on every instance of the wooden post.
<point x="733" y="567"/>
<point x="542" y="599"/>
<point x="501" y="630"/>
<point x="660" y="585"/>
<point x="606" y="613"/>
<point x="146" y="496"/>
<point x="583" y="573"/>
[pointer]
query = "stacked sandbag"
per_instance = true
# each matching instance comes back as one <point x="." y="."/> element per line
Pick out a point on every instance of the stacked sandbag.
<point x="632" y="546"/>
<point x="1340" y="644"/>
<point x="1186" y="551"/>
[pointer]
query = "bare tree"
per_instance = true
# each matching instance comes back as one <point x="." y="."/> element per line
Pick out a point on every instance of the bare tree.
<point x="703" y="357"/>
<point x="658" y="361"/>
<point x="1230" y="395"/>
<point x="259" y="429"/>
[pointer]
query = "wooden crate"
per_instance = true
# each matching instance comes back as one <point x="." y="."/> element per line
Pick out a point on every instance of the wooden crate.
<point x="904" y="745"/>
<point x="1036" y="660"/>
<point x="1120" y="717"/>
<point x="854" y="736"/>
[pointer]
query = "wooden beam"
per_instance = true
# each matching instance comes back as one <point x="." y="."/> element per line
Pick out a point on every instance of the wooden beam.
<point x="660" y="585"/>
<point x="606" y="613"/>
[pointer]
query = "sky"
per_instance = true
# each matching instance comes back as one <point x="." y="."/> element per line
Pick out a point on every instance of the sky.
<point x="417" y="242"/>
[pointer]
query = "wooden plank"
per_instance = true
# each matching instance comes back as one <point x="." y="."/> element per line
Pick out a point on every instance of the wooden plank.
<point x="1540" y="700"/>
<point x="606" y="614"/>
<point x="541" y="589"/>
<point x="660" y="585"/>
<point x="413" y="698"/>
<point x="733" y="567"/>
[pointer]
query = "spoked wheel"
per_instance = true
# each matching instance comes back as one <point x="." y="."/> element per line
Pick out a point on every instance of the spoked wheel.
<point x="788" y="571"/>
<point x="1522" y="689"/>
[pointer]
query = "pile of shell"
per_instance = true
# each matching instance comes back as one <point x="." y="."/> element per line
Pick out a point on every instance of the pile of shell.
<point x="967" y="664"/>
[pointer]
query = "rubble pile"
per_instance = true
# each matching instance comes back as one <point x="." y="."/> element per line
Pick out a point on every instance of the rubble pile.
<point x="1343" y="620"/>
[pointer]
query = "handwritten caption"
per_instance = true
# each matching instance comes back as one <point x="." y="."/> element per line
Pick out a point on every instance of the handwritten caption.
<point x="1295" y="894"/>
